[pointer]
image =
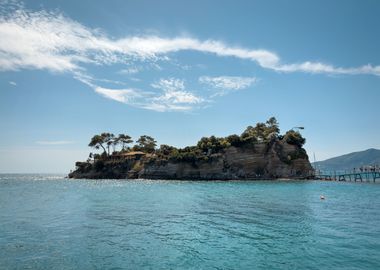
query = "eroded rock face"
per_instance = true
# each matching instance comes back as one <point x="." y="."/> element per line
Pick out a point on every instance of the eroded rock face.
<point x="258" y="162"/>
<point x="261" y="161"/>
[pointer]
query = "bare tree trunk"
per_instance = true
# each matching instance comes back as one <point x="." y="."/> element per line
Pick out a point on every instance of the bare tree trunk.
<point x="104" y="150"/>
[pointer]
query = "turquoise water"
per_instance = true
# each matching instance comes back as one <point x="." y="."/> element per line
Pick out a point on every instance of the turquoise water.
<point x="47" y="222"/>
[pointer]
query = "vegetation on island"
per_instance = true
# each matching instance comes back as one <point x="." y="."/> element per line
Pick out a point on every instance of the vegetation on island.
<point x="207" y="147"/>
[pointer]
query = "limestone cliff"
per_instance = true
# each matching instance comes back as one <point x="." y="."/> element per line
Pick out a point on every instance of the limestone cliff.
<point x="274" y="160"/>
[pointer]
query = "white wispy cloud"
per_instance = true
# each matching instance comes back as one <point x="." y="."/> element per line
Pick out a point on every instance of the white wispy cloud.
<point x="130" y="70"/>
<point x="174" y="92"/>
<point x="170" y="84"/>
<point x="13" y="83"/>
<point x="122" y="95"/>
<point x="171" y="97"/>
<point x="228" y="82"/>
<point x="51" y="41"/>
<point x="321" y="68"/>
<point x="54" y="142"/>
<point x="174" y="96"/>
<point x="225" y="84"/>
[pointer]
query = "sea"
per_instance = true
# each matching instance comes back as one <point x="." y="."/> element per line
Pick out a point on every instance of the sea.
<point x="50" y="222"/>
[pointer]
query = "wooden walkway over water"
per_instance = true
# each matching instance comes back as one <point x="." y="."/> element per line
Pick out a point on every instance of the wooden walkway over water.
<point x="351" y="176"/>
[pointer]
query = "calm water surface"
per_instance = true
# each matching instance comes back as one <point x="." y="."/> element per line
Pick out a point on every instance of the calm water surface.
<point x="47" y="222"/>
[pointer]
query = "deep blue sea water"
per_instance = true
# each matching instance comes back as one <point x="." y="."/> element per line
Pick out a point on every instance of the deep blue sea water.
<point x="47" y="222"/>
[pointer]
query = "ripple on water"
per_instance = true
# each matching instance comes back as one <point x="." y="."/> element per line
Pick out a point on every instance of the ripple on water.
<point x="52" y="222"/>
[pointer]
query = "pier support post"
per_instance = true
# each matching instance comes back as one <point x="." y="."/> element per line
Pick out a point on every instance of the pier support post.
<point x="358" y="176"/>
<point x="375" y="176"/>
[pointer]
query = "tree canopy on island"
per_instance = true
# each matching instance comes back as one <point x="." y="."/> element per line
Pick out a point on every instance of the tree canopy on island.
<point x="146" y="143"/>
<point x="108" y="140"/>
<point x="262" y="131"/>
<point x="124" y="139"/>
<point x="267" y="132"/>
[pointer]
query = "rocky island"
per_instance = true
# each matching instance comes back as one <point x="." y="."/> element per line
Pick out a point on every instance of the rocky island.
<point x="260" y="152"/>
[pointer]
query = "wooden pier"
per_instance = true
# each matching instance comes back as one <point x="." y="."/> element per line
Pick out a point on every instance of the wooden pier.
<point x="351" y="176"/>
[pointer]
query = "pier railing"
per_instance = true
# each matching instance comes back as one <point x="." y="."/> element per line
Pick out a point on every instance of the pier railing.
<point x="371" y="175"/>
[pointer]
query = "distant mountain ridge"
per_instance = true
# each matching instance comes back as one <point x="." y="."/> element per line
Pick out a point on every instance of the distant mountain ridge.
<point x="350" y="161"/>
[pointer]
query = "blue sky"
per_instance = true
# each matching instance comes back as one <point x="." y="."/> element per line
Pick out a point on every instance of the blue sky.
<point x="180" y="70"/>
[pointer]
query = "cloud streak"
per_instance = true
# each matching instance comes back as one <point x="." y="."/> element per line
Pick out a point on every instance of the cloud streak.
<point x="51" y="41"/>
<point x="47" y="40"/>
<point x="225" y="84"/>
<point x="172" y="96"/>
<point x="120" y="95"/>
<point x="130" y="70"/>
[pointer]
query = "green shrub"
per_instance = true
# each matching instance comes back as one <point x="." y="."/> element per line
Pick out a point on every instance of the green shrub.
<point x="99" y="165"/>
<point x="294" y="138"/>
